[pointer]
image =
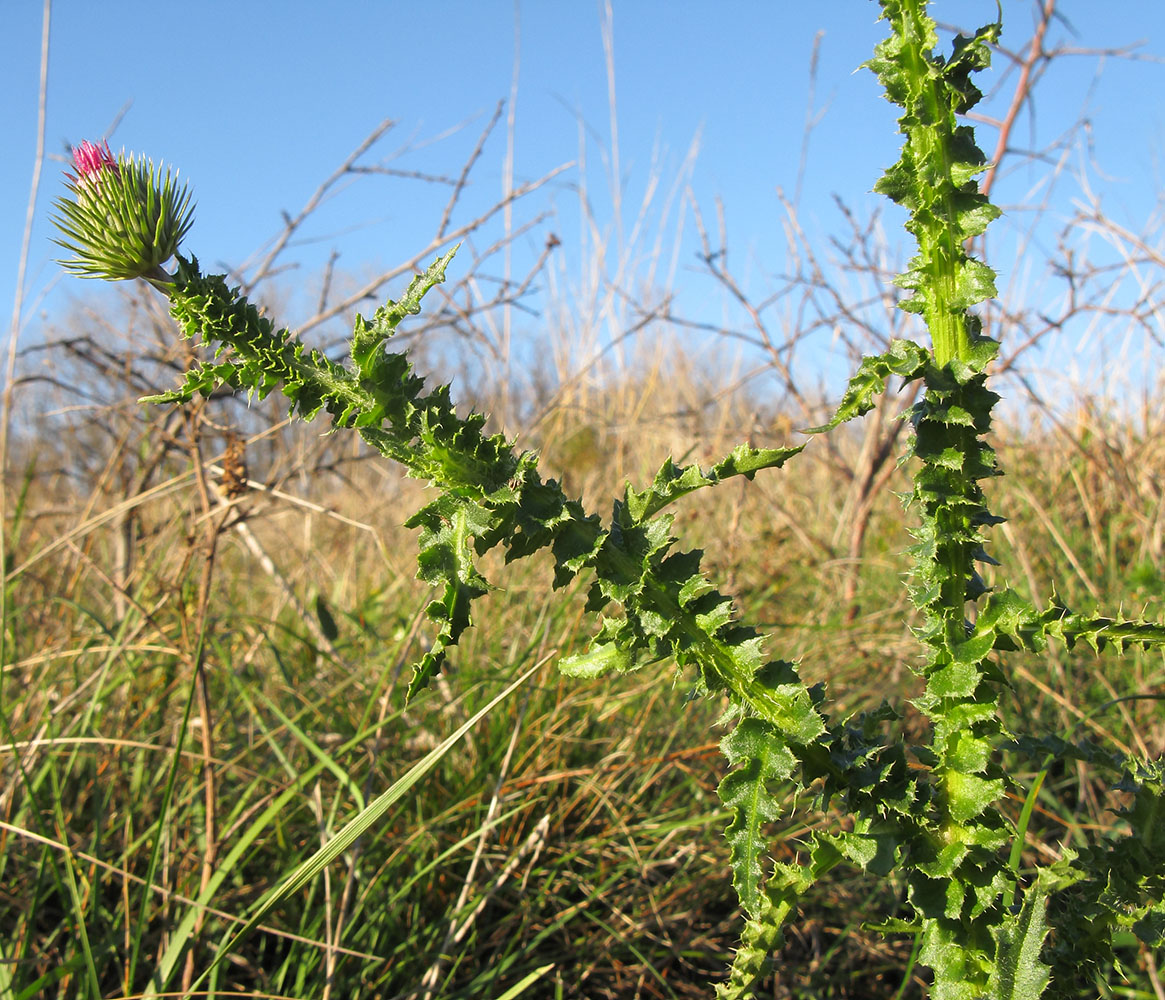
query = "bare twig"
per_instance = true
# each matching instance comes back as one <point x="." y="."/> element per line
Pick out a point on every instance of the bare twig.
<point x="292" y="224"/>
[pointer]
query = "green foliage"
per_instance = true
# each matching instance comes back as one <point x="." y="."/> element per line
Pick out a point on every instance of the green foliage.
<point x="763" y="931"/>
<point x="929" y="814"/>
<point x="935" y="176"/>
<point x="904" y="358"/>
<point x="760" y="756"/>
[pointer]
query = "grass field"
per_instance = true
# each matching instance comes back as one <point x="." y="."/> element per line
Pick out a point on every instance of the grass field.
<point x="571" y="845"/>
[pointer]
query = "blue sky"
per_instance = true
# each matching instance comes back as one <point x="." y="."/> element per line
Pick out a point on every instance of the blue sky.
<point x="256" y="103"/>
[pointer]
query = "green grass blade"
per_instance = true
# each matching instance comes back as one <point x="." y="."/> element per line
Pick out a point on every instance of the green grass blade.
<point x="312" y="747"/>
<point x="519" y="988"/>
<point x="358" y="826"/>
<point x="74" y="894"/>
<point x="181" y="935"/>
<point x="142" y="922"/>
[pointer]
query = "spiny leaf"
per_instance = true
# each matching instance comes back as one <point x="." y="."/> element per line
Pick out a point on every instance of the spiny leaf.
<point x="872" y="843"/>
<point x="763" y="932"/>
<point x="369" y="335"/>
<point x="959" y="966"/>
<point x="760" y="757"/>
<point x="968" y="794"/>
<point x="1018" y="973"/>
<point x="446" y="556"/>
<point x="598" y="659"/>
<point x="673" y="482"/>
<point x="904" y="358"/>
<point x="1010" y="622"/>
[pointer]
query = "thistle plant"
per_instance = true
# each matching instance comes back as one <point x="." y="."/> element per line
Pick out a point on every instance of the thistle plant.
<point x="932" y="814"/>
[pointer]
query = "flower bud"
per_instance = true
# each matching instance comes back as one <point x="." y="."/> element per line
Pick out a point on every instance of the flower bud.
<point x="122" y="218"/>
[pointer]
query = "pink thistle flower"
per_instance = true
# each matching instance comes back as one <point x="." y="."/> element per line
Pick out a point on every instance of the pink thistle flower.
<point x="91" y="159"/>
